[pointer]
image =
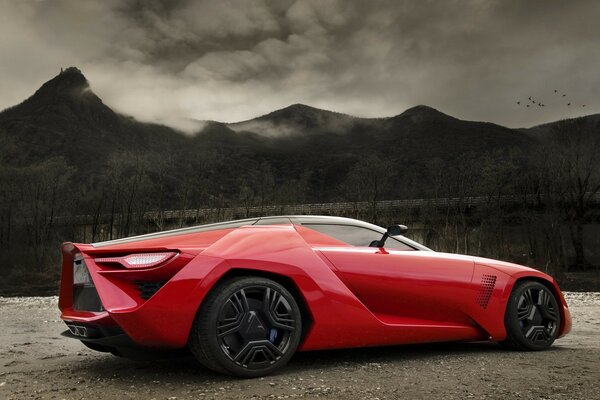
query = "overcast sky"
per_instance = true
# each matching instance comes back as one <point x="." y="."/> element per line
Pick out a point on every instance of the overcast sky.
<point x="225" y="60"/>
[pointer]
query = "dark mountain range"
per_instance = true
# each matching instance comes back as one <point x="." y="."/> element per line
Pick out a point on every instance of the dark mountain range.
<point x="64" y="118"/>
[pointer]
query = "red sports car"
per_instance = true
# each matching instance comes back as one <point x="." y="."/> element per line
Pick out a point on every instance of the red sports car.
<point x="244" y="296"/>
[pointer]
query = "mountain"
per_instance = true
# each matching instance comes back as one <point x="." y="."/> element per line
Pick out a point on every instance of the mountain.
<point x="300" y="119"/>
<point x="64" y="118"/>
<point x="586" y="125"/>
<point x="428" y="132"/>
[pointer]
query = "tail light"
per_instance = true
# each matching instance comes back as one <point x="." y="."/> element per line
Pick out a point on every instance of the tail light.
<point x="139" y="260"/>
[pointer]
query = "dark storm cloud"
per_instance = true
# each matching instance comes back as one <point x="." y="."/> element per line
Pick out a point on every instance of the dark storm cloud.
<point x="169" y="61"/>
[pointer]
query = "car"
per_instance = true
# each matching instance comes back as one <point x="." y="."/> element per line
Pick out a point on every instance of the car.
<point x="245" y="295"/>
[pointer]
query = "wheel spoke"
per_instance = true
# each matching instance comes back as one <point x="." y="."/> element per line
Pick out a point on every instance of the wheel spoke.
<point x="228" y="325"/>
<point x="545" y="306"/>
<point x="528" y="298"/>
<point x="525" y="307"/>
<point x="253" y="351"/>
<point x="228" y="329"/>
<point x="241" y="300"/>
<point x="522" y="314"/>
<point x="548" y="313"/>
<point x="278" y="310"/>
<point x="537" y="334"/>
<point x="543" y="298"/>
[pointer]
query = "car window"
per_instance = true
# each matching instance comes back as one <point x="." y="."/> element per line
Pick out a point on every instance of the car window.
<point x="356" y="235"/>
<point x="273" y="221"/>
<point x="395" y="244"/>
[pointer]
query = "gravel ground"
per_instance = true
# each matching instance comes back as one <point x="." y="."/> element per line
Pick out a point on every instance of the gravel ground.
<point x="37" y="363"/>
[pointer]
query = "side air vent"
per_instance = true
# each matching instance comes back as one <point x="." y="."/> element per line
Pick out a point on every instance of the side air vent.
<point x="147" y="289"/>
<point x="485" y="291"/>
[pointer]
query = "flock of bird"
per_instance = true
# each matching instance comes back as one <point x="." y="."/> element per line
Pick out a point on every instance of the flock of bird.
<point x="531" y="102"/>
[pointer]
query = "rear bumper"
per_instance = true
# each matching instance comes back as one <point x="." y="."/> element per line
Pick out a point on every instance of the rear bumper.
<point x="97" y="334"/>
<point x="94" y="327"/>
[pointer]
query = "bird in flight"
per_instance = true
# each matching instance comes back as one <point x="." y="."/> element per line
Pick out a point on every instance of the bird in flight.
<point x="568" y="104"/>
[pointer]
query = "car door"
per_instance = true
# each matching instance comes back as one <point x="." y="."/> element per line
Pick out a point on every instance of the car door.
<point x="397" y="283"/>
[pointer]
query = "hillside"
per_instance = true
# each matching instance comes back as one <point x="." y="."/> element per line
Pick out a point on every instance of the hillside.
<point x="587" y="125"/>
<point x="65" y="118"/>
<point x="299" y="143"/>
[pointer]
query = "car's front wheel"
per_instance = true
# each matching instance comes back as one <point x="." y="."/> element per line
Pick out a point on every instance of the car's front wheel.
<point x="532" y="318"/>
<point x="246" y="326"/>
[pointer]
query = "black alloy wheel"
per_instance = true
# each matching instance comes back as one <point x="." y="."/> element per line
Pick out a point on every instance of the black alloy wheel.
<point x="532" y="317"/>
<point x="247" y="327"/>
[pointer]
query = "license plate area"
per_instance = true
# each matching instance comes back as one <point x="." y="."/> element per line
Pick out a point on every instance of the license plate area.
<point x="85" y="296"/>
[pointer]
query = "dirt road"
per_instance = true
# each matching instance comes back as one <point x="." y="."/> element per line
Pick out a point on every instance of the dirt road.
<point x="37" y="363"/>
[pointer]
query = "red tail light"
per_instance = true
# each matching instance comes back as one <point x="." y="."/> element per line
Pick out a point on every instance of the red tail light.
<point x="139" y="260"/>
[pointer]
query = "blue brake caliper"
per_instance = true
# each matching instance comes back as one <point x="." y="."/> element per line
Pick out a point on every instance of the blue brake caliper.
<point x="272" y="335"/>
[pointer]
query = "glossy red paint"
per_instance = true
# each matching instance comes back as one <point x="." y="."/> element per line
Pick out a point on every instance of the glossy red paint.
<point x="356" y="296"/>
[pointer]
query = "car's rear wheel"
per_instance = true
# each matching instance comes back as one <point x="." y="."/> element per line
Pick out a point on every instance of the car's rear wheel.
<point x="246" y="326"/>
<point x="532" y="318"/>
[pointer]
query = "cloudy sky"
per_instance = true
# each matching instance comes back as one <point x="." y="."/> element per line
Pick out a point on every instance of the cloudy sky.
<point x="225" y="60"/>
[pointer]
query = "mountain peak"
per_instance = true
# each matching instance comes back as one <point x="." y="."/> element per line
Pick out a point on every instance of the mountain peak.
<point x="297" y="110"/>
<point x="296" y="119"/>
<point x="422" y="110"/>
<point x="68" y="80"/>
<point x="69" y="90"/>
<point x="299" y="107"/>
<point x="71" y="70"/>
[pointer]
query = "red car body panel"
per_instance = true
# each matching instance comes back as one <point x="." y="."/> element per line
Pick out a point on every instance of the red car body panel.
<point x="355" y="296"/>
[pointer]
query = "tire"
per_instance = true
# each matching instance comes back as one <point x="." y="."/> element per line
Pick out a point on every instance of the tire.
<point x="532" y="318"/>
<point x="246" y="327"/>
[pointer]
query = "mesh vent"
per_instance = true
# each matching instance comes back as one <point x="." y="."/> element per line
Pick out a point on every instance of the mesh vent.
<point x="485" y="291"/>
<point x="147" y="289"/>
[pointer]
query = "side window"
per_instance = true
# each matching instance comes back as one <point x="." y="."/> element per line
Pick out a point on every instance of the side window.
<point x="395" y="244"/>
<point x="273" y="221"/>
<point x="356" y="235"/>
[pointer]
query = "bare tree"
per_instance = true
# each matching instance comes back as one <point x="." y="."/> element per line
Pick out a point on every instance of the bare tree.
<point x="368" y="180"/>
<point x="42" y="194"/>
<point x="573" y="161"/>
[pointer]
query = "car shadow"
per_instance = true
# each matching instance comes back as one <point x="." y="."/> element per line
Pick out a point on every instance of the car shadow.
<point x="182" y="366"/>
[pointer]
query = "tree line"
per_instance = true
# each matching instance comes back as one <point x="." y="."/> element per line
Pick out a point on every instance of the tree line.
<point x="41" y="203"/>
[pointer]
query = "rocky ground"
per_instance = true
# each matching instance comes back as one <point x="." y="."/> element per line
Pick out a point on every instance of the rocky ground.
<point x="37" y="363"/>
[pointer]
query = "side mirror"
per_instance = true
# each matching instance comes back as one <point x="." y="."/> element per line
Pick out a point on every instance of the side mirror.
<point x="392" y="230"/>
<point x="395" y="230"/>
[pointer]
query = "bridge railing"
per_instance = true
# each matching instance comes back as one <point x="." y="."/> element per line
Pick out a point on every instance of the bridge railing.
<point x="315" y="208"/>
<point x="203" y="214"/>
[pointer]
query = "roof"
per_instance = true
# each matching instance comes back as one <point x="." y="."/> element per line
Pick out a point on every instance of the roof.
<point x="295" y="219"/>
